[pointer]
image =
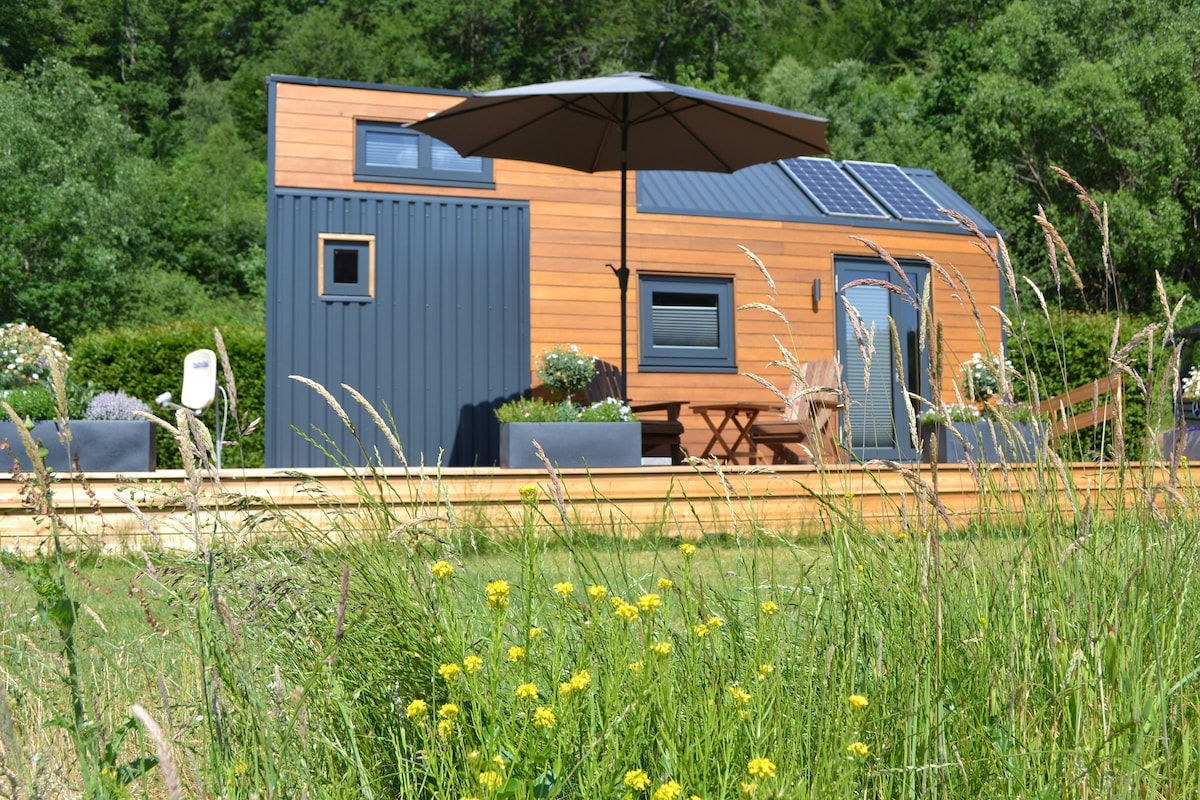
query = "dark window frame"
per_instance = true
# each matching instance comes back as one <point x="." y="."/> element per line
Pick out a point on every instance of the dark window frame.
<point x="666" y="358"/>
<point x="362" y="290"/>
<point x="425" y="172"/>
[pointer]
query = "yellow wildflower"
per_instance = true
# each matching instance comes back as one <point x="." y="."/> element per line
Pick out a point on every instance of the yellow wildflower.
<point x="449" y="671"/>
<point x="441" y="570"/>
<point x="649" y="603"/>
<point x="516" y="653"/>
<point x="472" y="664"/>
<point x="637" y="780"/>
<point x="529" y="493"/>
<point x="700" y="630"/>
<point x="468" y="798"/>
<point x="527" y="691"/>
<point x="448" y="711"/>
<point x="445" y="727"/>
<point x="597" y="592"/>
<point x="768" y="607"/>
<point x="749" y="787"/>
<point x="564" y="588"/>
<point x="497" y="594"/>
<point x="715" y="622"/>
<point x="543" y="717"/>
<point x="579" y="682"/>
<point x="764" y="670"/>
<point x="661" y="648"/>
<point x="857" y="701"/>
<point x="636" y="666"/>
<point x="739" y="694"/>
<point x="857" y="749"/>
<point x="499" y="761"/>
<point x="762" y="768"/>
<point x="416" y="709"/>
<point x="670" y="790"/>
<point x="688" y="549"/>
<point x="490" y="780"/>
<point x="535" y="632"/>
<point x="626" y="612"/>
<point x="665" y="583"/>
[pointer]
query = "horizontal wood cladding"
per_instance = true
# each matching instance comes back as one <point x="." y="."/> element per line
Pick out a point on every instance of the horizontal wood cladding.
<point x="574" y="234"/>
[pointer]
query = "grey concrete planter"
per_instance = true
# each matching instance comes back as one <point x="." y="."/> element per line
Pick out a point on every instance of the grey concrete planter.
<point x="571" y="444"/>
<point x="985" y="441"/>
<point x="99" y="445"/>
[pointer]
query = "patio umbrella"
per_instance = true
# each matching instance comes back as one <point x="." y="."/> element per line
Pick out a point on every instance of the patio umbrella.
<point x="623" y="122"/>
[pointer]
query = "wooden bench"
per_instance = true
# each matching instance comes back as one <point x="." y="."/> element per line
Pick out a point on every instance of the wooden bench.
<point x="660" y="436"/>
<point x="1104" y="400"/>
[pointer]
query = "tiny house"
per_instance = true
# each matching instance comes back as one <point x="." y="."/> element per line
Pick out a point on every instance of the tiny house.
<point x="430" y="282"/>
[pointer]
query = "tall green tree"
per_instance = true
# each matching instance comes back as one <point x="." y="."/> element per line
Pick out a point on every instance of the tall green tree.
<point x="73" y="205"/>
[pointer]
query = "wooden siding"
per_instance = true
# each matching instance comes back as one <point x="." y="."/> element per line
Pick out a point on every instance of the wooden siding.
<point x="574" y="233"/>
<point x="675" y="501"/>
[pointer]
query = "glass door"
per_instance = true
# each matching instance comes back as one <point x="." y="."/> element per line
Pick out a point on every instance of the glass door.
<point x="869" y="294"/>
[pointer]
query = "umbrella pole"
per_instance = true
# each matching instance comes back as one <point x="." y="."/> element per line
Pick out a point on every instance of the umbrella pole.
<point x="623" y="275"/>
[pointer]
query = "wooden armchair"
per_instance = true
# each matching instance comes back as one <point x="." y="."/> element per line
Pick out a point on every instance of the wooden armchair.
<point x="809" y="421"/>
<point x="660" y="435"/>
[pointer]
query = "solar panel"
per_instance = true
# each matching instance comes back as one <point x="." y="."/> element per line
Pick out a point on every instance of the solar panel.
<point x="831" y="189"/>
<point x="898" y="192"/>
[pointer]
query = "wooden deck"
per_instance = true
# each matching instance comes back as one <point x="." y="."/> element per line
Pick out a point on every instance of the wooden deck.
<point x="687" y="501"/>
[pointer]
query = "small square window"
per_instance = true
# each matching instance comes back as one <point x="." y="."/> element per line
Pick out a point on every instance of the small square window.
<point x="346" y="266"/>
<point x="392" y="153"/>
<point x="686" y="324"/>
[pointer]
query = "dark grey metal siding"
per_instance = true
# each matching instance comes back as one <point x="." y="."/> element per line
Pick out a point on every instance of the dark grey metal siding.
<point x="445" y="339"/>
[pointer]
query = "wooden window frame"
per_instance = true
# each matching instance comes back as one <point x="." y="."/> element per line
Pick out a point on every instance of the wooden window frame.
<point x="324" y="240"/>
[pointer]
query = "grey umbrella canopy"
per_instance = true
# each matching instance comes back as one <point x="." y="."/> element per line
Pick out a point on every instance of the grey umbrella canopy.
<point x="622" y="122"/>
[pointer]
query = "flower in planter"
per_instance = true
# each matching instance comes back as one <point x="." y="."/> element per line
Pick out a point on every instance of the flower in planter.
<point x="566" y="370"/>
<point x="26" y="354"/>
<point x="952" y="412"/>
<point x="610" y="409"/>
<point x="1190" y="387"/>
<point x="984" y="378"/>
<point x="115" y="406"/>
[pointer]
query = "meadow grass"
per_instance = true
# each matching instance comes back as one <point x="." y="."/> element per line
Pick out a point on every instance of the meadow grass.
<point x="1032" y="655"/>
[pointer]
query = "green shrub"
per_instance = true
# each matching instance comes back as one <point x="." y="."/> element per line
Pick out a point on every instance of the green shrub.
<point x="147" y="361"/>
<point x="32" y="402"/>
<point x="1071" y="349"/>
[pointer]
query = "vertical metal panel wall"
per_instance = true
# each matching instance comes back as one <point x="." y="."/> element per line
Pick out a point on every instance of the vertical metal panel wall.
<point x="445" y="339"/>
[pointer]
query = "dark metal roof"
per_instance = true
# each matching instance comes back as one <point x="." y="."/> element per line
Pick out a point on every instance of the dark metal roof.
<point x="765" y="191"/>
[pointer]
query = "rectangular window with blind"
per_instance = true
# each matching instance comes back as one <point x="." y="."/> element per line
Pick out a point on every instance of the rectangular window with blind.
<point x="686" y="324"/>
<point x="393" y="154"/>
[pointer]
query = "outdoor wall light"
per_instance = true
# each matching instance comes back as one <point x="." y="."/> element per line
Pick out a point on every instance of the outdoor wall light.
<point x="816" y="290"/>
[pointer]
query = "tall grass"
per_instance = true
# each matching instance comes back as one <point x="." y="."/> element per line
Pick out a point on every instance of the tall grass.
<point x="389" y="648"/>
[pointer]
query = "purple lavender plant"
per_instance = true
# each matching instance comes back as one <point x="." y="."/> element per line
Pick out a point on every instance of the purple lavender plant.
<point x="114" y="405"/>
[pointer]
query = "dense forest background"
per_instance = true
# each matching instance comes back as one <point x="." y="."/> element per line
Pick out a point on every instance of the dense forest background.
<point x="132" y="132"/>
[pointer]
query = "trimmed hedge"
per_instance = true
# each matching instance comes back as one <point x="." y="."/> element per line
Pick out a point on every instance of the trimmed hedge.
<point x="145" y="362"/>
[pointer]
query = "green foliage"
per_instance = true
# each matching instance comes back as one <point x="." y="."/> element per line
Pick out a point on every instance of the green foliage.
<point x="1066" y="350"/>
<point x="565" y="370"/>
<point x="33" y="402"/>
<point x="145" y="362"/>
